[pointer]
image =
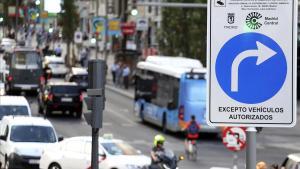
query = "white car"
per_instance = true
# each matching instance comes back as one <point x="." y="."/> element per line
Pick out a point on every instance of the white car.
<point x="75" y="153"/>
<point x="23" y="139"/>
<point x="7" y="44"/>
<point x="14" y="105"/>
<point x="57" y="65"/>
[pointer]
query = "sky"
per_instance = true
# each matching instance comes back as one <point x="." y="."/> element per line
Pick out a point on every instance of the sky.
<point x="52" y="6"/>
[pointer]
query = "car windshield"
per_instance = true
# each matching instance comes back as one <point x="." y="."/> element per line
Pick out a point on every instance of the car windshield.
<point x="65" y="89"/>
<point x="57" y="63"/>
<point x="26" y="60"/>
<point x="79" y="78"/>
<point x="13" y="110"/>
<point x="22" y="133"/>
<point x="119" y="148"/>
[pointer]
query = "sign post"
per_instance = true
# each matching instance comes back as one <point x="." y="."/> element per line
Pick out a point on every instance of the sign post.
<point x="252" y="60"/>
<point x="234" y="139"/>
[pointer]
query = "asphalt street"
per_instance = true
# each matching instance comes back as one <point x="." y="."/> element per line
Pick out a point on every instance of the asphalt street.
<point x="273" y="144"/>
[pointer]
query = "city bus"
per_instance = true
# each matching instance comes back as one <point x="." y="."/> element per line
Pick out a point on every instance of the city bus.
<point x="169" y="90"/>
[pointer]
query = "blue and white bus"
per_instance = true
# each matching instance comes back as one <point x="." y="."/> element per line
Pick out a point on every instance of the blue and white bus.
<point x="169" y="90"/>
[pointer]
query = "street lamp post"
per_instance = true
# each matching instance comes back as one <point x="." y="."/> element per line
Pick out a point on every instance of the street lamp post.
<point x="17" y="12"/>
<point x="106" y="32"/>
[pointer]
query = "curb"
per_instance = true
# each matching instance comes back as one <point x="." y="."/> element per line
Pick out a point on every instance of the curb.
<point x="120" y="91"/>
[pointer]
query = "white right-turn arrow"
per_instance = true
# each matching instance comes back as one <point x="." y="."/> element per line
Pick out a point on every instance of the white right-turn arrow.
<point x="262" y="53"/>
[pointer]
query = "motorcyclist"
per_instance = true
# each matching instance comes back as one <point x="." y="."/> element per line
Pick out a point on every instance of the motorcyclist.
<point x="192" y="131"/>
<point x="158" y="147"/>
<point x="46" y="72"/>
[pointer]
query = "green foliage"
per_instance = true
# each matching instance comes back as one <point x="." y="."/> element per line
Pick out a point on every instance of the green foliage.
<point x="69" y="19"/>
<point x="183" y="31"/>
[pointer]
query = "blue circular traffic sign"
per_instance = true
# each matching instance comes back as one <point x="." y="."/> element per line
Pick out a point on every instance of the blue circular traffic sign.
<point x="251" y="68"/>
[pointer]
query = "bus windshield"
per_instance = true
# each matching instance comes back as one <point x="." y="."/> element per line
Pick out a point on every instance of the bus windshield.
<point x="195" y="89"/>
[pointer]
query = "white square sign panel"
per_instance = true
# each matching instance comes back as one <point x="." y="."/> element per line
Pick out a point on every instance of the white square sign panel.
<point x="251" y="60"/>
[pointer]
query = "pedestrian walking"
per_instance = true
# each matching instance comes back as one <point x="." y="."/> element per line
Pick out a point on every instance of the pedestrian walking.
<point x="58" y="50"/>
<point x="114" y="68"/>
<point x="84" y="57"/>
<point x="119" y="73"/>
<point x="125" y="75"/>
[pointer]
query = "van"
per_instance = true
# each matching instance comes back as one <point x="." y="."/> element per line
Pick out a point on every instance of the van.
<point x="25" y="70"/>
<point x="14" y="105"/>
<point x="23" y="140"/>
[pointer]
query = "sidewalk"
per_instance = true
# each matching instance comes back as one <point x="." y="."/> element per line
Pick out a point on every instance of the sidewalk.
<point x="112" y="87"/>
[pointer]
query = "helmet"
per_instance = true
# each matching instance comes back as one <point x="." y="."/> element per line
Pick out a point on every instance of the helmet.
<point x="159" y="139"/>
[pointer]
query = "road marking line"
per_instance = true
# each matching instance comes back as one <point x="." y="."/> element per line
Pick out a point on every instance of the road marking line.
<point x="120" y="116"/>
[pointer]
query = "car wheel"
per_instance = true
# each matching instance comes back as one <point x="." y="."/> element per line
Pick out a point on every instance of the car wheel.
<point x="47" y="112"/>
<point x="54" y="166"/>
<point x="142" y="114"/>
<point x="78" y="114"/>
<point x="164" y="123"/>
<point x="40" y="110"/>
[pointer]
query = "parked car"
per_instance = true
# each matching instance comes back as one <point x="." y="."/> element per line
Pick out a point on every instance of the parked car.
<point x="7" y="44"/>
<point x="14" y="105"/>
<point x="292" y="161"/>
<point x="79" y="76"/>
<point x="61" y="96"/>
<point x="56" y="65"/>
<point x="25" y="70"/>
<point x="75" y="153"/>
<point x="22" y="141"/>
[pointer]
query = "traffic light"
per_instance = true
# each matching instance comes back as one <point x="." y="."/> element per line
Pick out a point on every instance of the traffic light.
<point x="134" y="10"/>
<point x="96" y="97"/>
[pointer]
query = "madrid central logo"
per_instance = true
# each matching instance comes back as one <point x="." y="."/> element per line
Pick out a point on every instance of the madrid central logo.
<point x="252" y="20"/>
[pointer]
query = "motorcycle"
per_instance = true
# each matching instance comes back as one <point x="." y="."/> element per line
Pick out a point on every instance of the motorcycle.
<point x="192" y="150"/>
<point x="167" y="160"/>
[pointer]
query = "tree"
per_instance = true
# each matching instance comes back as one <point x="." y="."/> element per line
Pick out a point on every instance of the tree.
<point x="183" y="31"/>
<point x="70" y="20"/>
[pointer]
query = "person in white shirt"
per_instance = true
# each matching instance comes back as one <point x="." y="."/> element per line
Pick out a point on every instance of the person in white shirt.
<point x="125" y="75"/>
<point x="114" y="67"/>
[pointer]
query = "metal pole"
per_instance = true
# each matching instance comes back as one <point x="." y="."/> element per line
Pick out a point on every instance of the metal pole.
<point x="235" y="161"/>
<point x="97" y="14"/>
<point x="106" y="32"/>
<point x="251" y="148"/>
<point x="17" y="12"/>
<point x="95" y="144"/>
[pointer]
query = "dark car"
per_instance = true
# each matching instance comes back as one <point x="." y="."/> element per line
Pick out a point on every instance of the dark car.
<point x="25" y="70"/>
<point x="79" y="76"/>
<point x="61" y="96"/>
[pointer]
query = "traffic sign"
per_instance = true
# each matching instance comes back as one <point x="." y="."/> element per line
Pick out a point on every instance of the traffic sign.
<point x="252" y="63"/>
<point x="128" y="28"/>
<point x="99" y="25"/>
<point x="234" y="138"/>
<point x="78" y="37"/>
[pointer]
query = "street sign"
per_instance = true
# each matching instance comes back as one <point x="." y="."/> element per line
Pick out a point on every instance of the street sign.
<point x="252" y="63"/>
<point x="99" y="25"/>
<point x="78" y="37"/>
<point x="44" y="14"/>
<point x="142" y="24"/>
<point x="234" y="138"/>
<point x="128" y="28"/>
<point x="114" y="26"/>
